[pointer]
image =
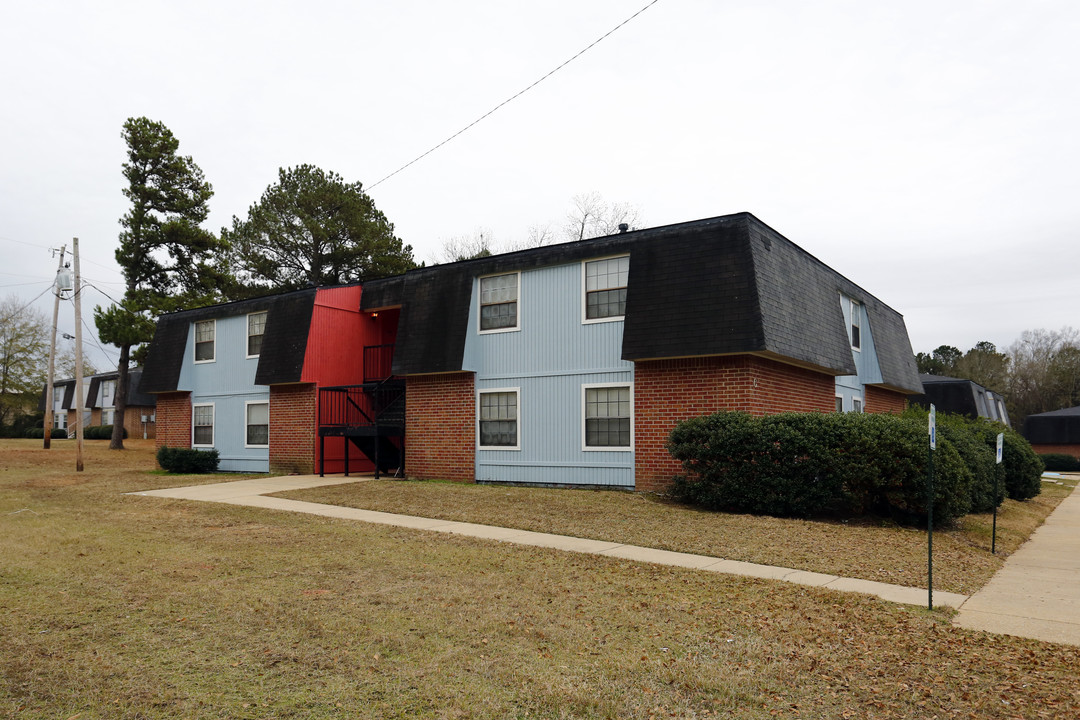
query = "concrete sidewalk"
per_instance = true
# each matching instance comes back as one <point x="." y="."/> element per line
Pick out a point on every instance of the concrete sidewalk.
<point x="252" y="493"/>
<point x="1036" y="593"/>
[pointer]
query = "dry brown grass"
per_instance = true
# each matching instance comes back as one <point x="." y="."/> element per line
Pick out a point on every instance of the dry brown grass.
<point x="119" y="606"/>
<point x="868" y="549"/>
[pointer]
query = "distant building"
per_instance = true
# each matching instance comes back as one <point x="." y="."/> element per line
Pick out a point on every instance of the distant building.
<point x="99" y="405"/>
<point x="964" y="397"/>
<point x="1057" y="431"/>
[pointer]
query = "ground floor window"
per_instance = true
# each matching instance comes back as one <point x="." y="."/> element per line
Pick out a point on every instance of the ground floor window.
<point x="202" y="425"/>
<point x="608" y="417"/>
<point x="839" y="403"/>
<point x="60" y="419"/>
<point x="258" y="424"/>
<point x="498" y="419"/>
<point x="856" y="404"/>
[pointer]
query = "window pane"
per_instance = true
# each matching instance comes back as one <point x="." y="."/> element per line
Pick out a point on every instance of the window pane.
<point x="204" y="331"/>
<point x="606" y="274"/>
<point x="607" y="417"/>
<point x="498" y="289"/>
<point x="258" y="435"/>
<point x="204" y="415"/>
<point x="498" y="419"/>
<point x="204" y="436"/>
<point x="256" y="326"/>
<point x="605" y="303"/>
<point x="498" y="316"/>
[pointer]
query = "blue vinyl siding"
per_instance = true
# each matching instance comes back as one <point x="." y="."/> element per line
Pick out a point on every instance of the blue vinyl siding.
<point x="549" y="359"/>
<point x="228" y="383"/>
<point x="866" y="360"/>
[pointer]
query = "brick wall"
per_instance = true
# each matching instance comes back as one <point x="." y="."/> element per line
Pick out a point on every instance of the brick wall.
<point x="173" y="420"/>
<point x="1073" y="450"/>
<point x="292" y="429"/>
<point x="440" y="429"/>
<point x="667" y="391"/>
<point x="879" y="400"/>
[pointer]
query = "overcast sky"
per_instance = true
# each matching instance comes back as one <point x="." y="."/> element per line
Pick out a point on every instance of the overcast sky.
<point x="926" y="150"/>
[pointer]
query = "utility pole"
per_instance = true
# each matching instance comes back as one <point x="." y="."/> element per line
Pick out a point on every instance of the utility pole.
<point x="79" y="398"/>
<point x="52" y="354"/>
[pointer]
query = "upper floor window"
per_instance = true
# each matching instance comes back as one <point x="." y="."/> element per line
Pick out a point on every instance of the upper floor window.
<point x="605" y="288"/>
<point x="204" y="340"/>
<point x="107" y="393"/>
<point x="856" y="325"/>
<point x="499" y="302"/>
<point x="498" y="419"/>
<point x="256" y="326"/>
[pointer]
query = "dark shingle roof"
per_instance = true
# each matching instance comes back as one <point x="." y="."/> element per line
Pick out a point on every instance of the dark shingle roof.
<point x="1057" y="427"/>
<point x="284" y="341"/>
<point x="729" y="284"/>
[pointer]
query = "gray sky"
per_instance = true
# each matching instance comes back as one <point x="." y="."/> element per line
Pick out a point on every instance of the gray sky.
<point x="926" y="150"/>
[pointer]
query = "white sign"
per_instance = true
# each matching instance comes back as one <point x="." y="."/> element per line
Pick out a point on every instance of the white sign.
<point x="933" y="427"/>
<point x="1000" y="444"/>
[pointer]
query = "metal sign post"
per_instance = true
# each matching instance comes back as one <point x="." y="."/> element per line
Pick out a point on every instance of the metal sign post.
<point x="930" y="510"/>
<point x="997" y="500"/>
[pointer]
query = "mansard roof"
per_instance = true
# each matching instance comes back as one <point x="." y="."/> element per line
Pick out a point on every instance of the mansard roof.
<point x="288" y="320"/>
<point x="718" y="286"/>
<point x="1057" y="427"/>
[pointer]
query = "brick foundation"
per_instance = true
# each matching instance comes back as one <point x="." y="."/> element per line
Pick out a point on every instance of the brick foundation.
<point x="440" y="427"/>
<point x="173" y="420"/>
<point x="667" y="391"/>
<point x="1073" y="450"/>
<point x="292" y="429"/>
<point x="879" y="400"/>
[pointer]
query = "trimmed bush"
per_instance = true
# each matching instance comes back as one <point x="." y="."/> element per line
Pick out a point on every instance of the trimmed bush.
<point x="803" y="465"/>
<point x="187" y="460"/>
<point x="988" y="478"/>
<point x="1060" y="462"/>
<point x="100" y="432"/>
<point x="39" y="433"/>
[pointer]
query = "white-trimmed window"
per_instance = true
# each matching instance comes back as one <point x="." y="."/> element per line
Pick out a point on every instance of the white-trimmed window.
<point x="107" y="392"/>
<point x="497" y="419"/>
<point x="60" y="419"/>
<point x="202" y="425"/>
<point x="256" y="424"/>
<point x="609" y="418"/>
<point x="499" y="302"/>
<point x="256" y="325"/>
<point x="839" y="403"/>
<point x="856" y="404"/>
<point x="605" y="288"/>
<point x="205" y="331"/>
<point x="107" y="416"/>
<point x="856" y="325"/>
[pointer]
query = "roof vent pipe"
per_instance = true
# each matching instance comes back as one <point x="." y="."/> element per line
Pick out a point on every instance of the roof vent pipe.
<point x="623" y="227"/>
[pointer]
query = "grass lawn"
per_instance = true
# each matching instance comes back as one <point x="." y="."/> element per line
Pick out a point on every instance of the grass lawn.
<point x="119" y="606"/>
<point x="868" y="549"/>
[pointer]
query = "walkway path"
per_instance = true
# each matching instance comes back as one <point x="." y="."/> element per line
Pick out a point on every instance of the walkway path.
<point x="1036" y="593"/>
<point x="252" y="493"/>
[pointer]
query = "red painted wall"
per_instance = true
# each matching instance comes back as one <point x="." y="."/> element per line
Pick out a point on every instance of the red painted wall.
<point x="335" y="356"/>
<point x="440" y="427"/>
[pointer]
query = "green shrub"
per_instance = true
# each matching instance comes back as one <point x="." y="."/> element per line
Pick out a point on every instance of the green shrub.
<point x="988" y="478"/>
<point x="100" y="432"/>
<point x="187" y="460"/>
<point x="39" y="433"/>
<point x="1060" y="462"/>
<point x="802" y="465"/>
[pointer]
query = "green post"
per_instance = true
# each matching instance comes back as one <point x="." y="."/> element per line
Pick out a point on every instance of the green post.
<point x="930" y="510"/>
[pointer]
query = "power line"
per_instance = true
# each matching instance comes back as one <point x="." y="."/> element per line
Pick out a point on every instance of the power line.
<point x="515" y="96"/>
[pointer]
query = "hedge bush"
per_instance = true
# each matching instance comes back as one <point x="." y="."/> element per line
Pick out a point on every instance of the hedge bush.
<point x="1060" y="462"/>
<point x="801" y="465"/>
<point x="100" y="432"/>
<point x="187" y="460"/>
<point x="39" y="433"/>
